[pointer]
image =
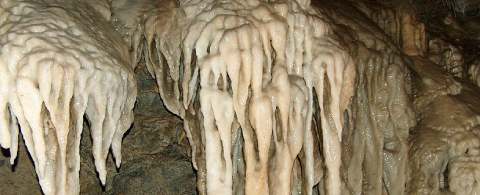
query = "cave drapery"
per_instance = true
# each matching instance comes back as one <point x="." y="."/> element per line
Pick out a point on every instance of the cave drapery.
<point x="276" y="97"/>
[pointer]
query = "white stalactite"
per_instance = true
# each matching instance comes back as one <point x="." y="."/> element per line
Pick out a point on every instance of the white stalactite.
<point x="60" y="61"/>
<point x="253" y="63"/>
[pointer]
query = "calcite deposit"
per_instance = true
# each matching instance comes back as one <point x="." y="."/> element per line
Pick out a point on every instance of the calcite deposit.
<point x="61" y="62"/>
<point x="276" y="97"/>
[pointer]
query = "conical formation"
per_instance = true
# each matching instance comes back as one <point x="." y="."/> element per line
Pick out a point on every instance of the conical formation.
<point x="59" y="62"/>
<point x="247" y="77"/>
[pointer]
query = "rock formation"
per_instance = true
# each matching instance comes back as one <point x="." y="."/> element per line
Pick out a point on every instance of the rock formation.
<point x="276" y="97"/>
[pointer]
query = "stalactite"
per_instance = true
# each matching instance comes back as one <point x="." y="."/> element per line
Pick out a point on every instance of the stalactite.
<point x="59" y="62"/>
<point x="277" y="97"/>
<point x="254" y="66"/>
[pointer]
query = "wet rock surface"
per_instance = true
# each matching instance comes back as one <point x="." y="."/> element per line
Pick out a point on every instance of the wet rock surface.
<point x="155" y="155"/>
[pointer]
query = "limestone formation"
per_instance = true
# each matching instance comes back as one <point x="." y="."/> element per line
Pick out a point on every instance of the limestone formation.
<point x="276" y="97"/>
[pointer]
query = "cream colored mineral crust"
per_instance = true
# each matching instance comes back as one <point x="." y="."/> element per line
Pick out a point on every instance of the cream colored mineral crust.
<point x="446" y="139"/>
<point x="265" y="90"/>
<point x="243" y="75"/>
<point x="277" y="97"/>
<point x="61" y="61"/>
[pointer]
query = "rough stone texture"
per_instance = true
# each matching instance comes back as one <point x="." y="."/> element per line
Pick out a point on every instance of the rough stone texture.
<point x="155" y="155"/>
<point x="457" y="22"/>
<point x="156" y="174"/>
<point x="19" y="178"/>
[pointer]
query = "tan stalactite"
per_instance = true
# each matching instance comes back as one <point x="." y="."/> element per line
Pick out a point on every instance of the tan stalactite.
<point x="277" y="97"/>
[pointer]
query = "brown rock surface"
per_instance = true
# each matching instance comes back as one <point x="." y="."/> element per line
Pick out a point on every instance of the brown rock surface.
<point x="19" y="178"/>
